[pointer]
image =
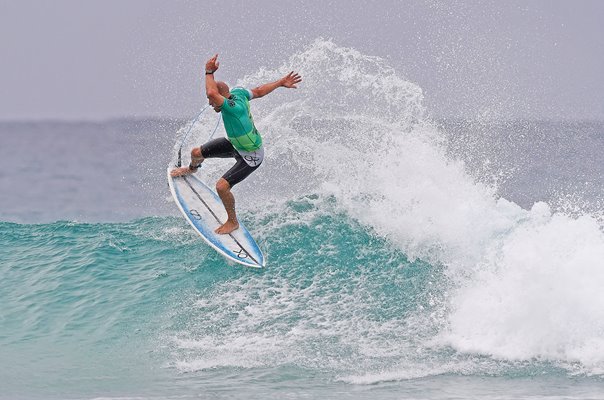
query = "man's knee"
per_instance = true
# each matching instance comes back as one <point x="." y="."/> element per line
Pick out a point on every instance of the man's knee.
<point x="222" y="186"/>
<point x="196" y="152"/>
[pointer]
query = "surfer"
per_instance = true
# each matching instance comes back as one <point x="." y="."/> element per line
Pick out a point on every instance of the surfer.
<point x="243" y="142"/>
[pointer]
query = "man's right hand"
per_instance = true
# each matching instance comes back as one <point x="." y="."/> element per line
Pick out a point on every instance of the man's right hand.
<point x="291" y="80"/>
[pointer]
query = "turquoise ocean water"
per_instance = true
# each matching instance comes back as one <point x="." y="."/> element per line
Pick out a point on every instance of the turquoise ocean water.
<point x="407" y="258"/>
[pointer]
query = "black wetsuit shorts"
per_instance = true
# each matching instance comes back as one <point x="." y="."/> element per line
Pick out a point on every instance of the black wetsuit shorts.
<point x="222" y="148"/>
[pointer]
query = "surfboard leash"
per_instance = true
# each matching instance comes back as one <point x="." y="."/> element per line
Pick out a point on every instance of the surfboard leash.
<point x="184" y="139"/>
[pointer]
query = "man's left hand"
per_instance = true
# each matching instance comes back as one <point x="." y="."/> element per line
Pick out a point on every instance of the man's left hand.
<point x="212" y="64"/>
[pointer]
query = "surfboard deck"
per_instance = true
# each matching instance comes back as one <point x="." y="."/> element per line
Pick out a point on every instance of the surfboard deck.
<point x="204" y="211"/>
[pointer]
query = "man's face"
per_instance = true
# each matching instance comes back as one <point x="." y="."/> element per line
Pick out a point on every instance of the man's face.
<point x="214" y="105"/>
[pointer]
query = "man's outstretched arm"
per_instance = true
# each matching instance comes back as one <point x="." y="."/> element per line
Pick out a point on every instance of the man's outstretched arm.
<point x="211" y="87"/>
<point x="289" y="81"/>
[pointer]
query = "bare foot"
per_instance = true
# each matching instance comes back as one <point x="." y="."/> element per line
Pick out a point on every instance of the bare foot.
<point x="228" y="227"/>
<point x="182" y="171"/>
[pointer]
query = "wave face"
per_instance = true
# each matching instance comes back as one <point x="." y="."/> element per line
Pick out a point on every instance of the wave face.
<point x="388" y="260"/>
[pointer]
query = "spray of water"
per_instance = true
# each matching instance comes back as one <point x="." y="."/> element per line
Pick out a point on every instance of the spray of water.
<point x="353" y="141"/>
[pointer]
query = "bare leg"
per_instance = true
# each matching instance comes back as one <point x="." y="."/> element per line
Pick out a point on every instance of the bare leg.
<point x="228" y="200"/>
<point x="196" y="159"/>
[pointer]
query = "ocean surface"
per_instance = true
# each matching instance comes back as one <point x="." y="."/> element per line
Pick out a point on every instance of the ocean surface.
<point x="408" y="257"/>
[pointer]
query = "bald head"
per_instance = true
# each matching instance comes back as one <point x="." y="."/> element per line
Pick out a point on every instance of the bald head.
<point x="223" y="89"/>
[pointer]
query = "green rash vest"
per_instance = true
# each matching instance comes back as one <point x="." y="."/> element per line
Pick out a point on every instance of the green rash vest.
<point x="238" y="121"/>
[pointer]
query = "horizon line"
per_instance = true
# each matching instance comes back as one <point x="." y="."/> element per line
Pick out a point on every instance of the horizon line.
<point x="100" y="120"/>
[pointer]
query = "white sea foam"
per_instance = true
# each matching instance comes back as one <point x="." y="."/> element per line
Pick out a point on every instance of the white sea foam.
<point x="538" y="294"/>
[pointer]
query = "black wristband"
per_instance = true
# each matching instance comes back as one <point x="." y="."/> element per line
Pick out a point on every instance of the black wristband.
<point x="210" y="73"/>
<point x="194" y="167"/>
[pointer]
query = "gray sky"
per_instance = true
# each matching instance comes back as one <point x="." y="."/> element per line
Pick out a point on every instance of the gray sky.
<point x="94" y="59"/>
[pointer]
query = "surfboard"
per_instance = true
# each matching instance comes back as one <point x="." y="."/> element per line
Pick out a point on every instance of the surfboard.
<point x="204" y="211"/>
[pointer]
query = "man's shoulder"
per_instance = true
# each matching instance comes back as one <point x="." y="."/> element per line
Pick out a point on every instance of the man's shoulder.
<point x="241" y="91"/>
